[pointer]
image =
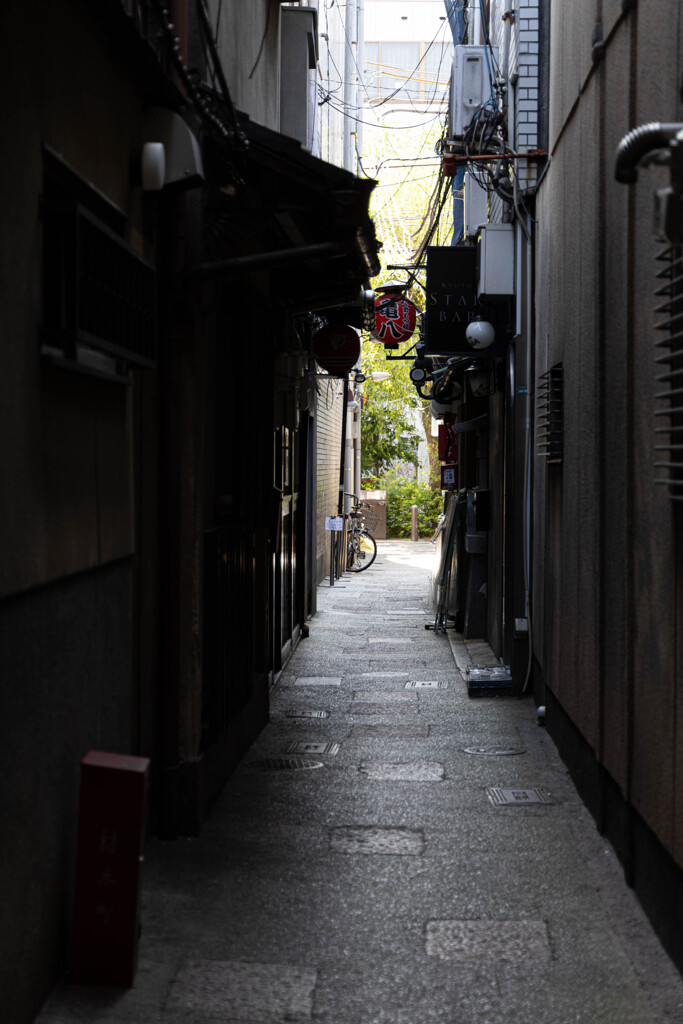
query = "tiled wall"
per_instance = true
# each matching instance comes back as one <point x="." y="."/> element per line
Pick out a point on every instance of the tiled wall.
<point x="329" y="424"/>
<point x="524" y="46"/>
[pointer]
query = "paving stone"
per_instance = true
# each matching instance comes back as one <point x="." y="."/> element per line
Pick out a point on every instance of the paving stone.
<point x="248" y="992"/>
<point x="391" y="732"/>
<point x="318" y="681"/>
<point x="508" y="941"/>
<point x="405" y="842"/>
<point x="411" y="771"/>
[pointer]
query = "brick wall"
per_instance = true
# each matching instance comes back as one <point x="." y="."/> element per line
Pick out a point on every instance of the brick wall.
<point x="524" y="46"/>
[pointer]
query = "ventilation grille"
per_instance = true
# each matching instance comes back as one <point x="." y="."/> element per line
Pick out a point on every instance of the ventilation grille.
<point x="669" y="359"/>
<point x="549" y="426"/>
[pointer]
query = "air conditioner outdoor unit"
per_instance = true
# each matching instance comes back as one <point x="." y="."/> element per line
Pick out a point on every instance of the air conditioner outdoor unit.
<point x="473" y="69"/>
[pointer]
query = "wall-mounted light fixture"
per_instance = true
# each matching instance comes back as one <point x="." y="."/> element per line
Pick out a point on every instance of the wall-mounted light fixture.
<point x="480" y="333"/>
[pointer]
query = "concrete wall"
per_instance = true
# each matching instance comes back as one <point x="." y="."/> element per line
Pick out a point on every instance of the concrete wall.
<point x="248" y="41"/>
<point x="606" y="539"/>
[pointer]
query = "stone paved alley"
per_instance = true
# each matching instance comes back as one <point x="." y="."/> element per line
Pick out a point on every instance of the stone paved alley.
<point x="385" y="886"/>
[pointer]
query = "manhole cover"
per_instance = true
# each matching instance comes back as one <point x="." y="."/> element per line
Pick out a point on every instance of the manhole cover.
<point x="517" y="797"/>
<point x="307" y="714"/>
<point x="412" y="771"/>
<point x="426" y="684"/>
<point x="302" y="747"/>
<point x="280" y="764"/>
<point x="406" y="842"/>
<point x="496" y="751"/>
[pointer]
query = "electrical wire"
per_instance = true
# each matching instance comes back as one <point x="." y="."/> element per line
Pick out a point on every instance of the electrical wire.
<point x="263" y="40"/>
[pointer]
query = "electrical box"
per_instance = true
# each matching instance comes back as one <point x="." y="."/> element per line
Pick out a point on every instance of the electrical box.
<point x="470" y="84"/>
<point x="496" y="261"/>
<point x="476" y="206"/>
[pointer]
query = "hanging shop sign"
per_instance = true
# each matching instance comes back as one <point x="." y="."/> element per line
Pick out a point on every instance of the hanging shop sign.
<point x="336" y="348"/>
<point x="453" y="303"/>
<point x="449" y="477"/>
<point x="395" y="319"/>
<point x="448" y="443"/>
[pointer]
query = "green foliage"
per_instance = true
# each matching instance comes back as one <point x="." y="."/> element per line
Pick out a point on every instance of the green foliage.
<point x="403" y="206"/>
<point x="406" y="166"/>
<point x="402" y="494"/>
<point x="389" y="428"/>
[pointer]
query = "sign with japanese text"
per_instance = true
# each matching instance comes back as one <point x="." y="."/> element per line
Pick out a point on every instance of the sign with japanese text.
<point x="452" y="302"/>
<point x="449" y="478"/>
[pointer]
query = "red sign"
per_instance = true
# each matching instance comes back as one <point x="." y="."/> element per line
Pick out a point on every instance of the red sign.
<point x="336" y="348"/>
<point x="395" y="318"/>
<point x="110" y="836"/>
<point x="448" y="443"/>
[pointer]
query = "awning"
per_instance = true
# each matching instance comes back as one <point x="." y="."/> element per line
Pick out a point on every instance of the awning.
<point x="301" y="220"/>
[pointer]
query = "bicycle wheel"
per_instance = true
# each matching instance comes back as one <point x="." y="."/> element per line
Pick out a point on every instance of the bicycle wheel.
<point x="352" y="550"/>
<point x="364" y="551"/>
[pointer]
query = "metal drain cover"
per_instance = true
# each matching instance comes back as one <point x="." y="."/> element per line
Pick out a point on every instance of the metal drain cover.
<point x="302" y="747"/>
<point x="496" y="751"/>
<point x="307" y="714"/>
<point x="280" y="764"/>
<point x="517" y="797"/>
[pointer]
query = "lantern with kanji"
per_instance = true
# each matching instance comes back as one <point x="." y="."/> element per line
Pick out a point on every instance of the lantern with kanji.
<point x="395" y="315"/>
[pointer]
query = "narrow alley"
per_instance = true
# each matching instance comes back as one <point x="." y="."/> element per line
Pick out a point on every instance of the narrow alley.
<point x="361" y="866"/>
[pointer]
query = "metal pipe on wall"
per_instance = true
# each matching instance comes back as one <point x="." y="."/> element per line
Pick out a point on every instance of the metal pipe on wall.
<point x="360" y="57"/>
<point x="349" y="76"/>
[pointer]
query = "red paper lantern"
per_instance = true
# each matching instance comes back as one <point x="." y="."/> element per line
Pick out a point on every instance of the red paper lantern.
<point x="336" y="348"/>
<point x="395" y="318"/>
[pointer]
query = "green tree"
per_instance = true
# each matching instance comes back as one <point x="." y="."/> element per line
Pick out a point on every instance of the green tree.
<point x="389" y="428"/>
<point x="402" y="494"/>
<point x="410" y="198"/>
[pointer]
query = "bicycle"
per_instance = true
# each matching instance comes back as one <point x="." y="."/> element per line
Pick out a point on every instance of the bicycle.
<point x="361" y="546"/>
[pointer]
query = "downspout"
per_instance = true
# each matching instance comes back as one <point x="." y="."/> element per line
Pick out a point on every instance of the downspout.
<point x="349" y="74"/>
<point x="456" y="21"/>
<point x="360" y="57"/>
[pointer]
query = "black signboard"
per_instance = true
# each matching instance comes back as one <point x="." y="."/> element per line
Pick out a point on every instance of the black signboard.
<point x="452" y="302"/>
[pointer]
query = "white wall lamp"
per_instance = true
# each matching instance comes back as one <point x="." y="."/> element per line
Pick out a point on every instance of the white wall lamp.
<point x="480" y="333"/>
<point x="170" y="155"/>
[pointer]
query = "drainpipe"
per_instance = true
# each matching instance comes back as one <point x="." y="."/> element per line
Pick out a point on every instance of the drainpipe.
<point x="360" y="57"/>
<point x="456" y="21"/>
<point x="349" y="77"/>
<point x="474" y="33"/>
